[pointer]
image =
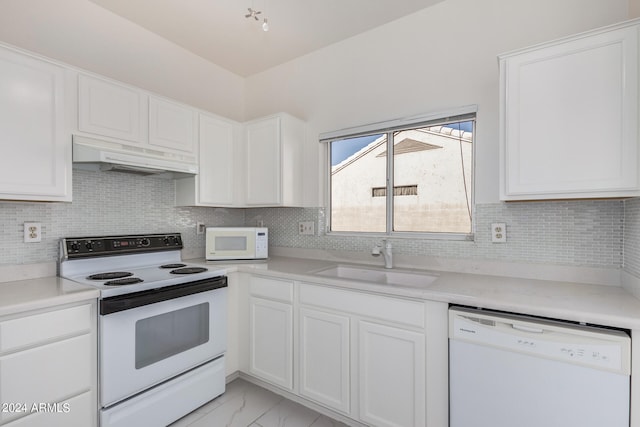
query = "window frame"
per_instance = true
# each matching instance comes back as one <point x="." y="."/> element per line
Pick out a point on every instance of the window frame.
<point x="467" y="113"/>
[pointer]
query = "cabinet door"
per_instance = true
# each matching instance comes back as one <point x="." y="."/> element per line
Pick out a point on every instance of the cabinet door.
<point x="47" y="373"/>
<point x="171" y="125"/>
<point x="324" y="358"/>
<point x="36" y="156"/>
<point x="391" y="374"/>
<point x="216" y="176"/>
<point x="569" y="113"/>
<point x="109" y="109"/>
<point x="270" y="341"/>
<point x="263" y="162"/>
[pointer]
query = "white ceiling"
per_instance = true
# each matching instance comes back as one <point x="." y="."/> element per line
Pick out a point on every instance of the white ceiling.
<point x="217" y="30"/>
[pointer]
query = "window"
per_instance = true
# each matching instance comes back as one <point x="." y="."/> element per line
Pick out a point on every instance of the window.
<point x="414" y="178"/>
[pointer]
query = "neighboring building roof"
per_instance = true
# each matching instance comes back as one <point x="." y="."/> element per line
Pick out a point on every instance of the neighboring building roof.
<point x="409" y="145"/>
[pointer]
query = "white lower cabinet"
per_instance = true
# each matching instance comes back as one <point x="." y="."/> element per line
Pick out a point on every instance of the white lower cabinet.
<point x="391" y="377"/>
<point x="48" y="368"/>
<point x="376" y="359"/>
<point x="368" y="346"/>
<point x="324" y="350"/>
<point x="271" y="331"/>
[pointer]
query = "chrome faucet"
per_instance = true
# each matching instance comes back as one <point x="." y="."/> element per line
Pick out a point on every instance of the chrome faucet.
<point x="384" y="248"/>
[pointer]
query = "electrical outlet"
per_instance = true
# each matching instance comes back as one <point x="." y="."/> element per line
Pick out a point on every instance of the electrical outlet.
<point x="499" y="232"/>
<point x="32" y="232"/>
<point x="306" y="228"/>
<point x="200" y="227"/>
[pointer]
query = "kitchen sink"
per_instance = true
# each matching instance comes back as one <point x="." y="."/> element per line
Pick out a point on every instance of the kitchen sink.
<point x="375" y="275"/>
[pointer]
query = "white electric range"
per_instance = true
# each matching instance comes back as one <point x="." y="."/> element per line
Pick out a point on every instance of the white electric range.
<point x="162" y="325"/>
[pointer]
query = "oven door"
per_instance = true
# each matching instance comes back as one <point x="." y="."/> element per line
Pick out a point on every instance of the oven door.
<point x="150" y="336"/>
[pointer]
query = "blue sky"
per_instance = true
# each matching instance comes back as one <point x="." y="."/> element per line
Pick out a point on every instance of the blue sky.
<point x="347" y="147"/>
<point x="342" y="149"/>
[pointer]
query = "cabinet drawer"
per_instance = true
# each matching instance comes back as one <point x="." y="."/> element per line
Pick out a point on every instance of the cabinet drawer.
<point x="46" y="374"/>
<point x="79" y="411"/>
<point x="40" y="328"/>
<point x="276" y="289"/>
<point x="391" y="309"/>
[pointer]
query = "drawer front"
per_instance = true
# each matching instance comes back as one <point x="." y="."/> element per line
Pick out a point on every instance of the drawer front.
<point x="46" y="374"/>
<point x="40" y="328"/>
<point x="281" y="290"/>
<point x="380" y="307"/>
<point x="79" y="411"/>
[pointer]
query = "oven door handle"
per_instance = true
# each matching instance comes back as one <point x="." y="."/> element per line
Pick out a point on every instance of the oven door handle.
<point x="124" y="302"/>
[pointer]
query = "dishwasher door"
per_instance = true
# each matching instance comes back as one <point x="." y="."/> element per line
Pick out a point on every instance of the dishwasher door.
<point x="507" y="371"/>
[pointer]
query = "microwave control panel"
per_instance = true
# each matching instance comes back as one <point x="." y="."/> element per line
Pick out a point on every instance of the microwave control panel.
<point x="262" y="244"/>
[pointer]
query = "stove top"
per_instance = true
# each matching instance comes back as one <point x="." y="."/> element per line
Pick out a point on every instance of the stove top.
<point x="115" y="267"/>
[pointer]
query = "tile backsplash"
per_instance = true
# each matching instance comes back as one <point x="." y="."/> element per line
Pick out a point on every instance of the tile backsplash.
<point x="632" y="237"/>
<point x="576" y="233"/>
<point x="105" y="203"/>
<point x="598" y="233"/>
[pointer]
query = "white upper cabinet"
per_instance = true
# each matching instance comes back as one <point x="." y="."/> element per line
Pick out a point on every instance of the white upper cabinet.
<point x="171" y="125"/>
<point x="274" y="161"/>
<point x="36" y="156"/>
<point x="569" y="117"/>
<point x="129" y="116"/>
<point x="109" y="109"/>
<point x="216" y="183"/>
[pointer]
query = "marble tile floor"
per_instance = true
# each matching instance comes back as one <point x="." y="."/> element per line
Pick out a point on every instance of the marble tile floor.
<point x="247" y="405"/>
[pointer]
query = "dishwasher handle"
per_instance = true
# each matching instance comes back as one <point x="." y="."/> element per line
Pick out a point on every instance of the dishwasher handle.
<point x="527" y="328"/>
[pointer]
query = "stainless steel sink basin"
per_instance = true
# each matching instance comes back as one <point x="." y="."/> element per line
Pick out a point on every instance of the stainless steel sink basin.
<point x="375" y="275"/>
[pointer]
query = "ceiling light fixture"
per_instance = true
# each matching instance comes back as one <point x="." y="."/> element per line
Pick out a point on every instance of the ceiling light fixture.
<point x="253" y="13"/>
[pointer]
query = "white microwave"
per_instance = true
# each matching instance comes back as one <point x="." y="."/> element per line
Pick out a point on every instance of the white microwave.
<point x="229" y="243"/>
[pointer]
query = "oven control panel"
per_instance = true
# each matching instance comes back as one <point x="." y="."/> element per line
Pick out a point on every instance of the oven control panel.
<point x="78" y="247"/>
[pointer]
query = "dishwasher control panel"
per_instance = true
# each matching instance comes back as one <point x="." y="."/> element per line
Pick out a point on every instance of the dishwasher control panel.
<point x="583" y="345"/>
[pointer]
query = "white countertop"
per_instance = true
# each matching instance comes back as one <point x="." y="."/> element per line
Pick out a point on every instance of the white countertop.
<point x="33" y="294"/>
<point x="596" y="304"/>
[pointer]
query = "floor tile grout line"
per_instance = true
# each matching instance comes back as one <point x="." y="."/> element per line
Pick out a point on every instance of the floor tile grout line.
<point x="268" y="409"/>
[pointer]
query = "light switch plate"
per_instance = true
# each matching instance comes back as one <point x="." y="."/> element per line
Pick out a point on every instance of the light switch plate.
<point x="306" y="228"/>
<point x="200" y="227"/>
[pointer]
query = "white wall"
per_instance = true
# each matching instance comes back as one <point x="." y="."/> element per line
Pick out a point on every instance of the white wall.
<point x="85" y="35"/>
<point x="438" y="58"/>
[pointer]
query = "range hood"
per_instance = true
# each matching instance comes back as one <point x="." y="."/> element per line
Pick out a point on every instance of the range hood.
<point x="94" y="154"/>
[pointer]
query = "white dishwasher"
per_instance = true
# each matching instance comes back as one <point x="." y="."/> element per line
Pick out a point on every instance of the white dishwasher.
<point x="508" y="370"/>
